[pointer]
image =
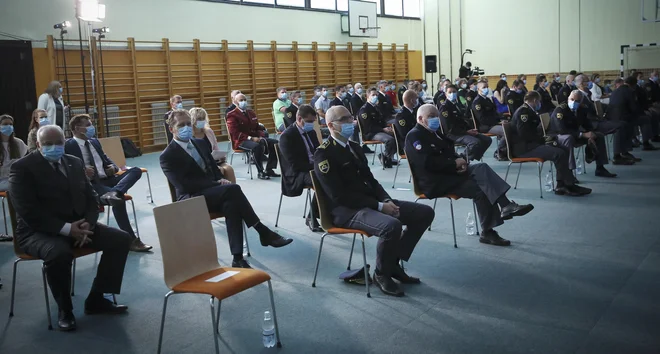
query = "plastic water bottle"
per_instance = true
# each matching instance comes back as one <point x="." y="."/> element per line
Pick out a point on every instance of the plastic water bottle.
<point x="578" y="166"/>
<point x="470" y="226"/>
<point x="268" y="330"/>
<point x="548" y="182"/>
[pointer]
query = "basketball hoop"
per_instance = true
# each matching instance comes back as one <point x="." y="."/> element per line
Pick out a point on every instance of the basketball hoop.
<point x="364" y="30"/>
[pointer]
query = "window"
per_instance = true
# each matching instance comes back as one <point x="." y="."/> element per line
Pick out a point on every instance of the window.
<point x="269" y="2"/>
<point x="411" y="8"/>
<point x="377" y="5"/>
<point x="393" y="7"/>
<point x="342" y="5"/>
<point x="323" y="4"/>
<point x="296" y="3"/>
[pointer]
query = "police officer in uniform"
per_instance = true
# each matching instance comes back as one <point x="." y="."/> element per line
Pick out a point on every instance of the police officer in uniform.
<point x="374" y="127"/>
<point x="440" y="97"/>
<point x="406" y="119"/>
<point x="555" y="86"/>
<point x="516" y="96"/>
<point x="459" y="129"/>
<point x="292" y="110"/>
<point x="472" y="92"/>
<point x="486" y="117"/>
<point x="587" y="111"/>
<point x="357" y="201"/>
<point x="574" y="130"/>
<point x="439" y="171"/>
<point x="546" y="100"/>
<point x="404" y="87"/>
<point x="384" y="102"/>
<point x="528" y="141"/>
<point x="565" y="91"/>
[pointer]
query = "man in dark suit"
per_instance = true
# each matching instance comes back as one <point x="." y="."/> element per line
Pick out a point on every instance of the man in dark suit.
<point x="101" y="172"/>
<point x="292" y="110"/>
<point x="189" y="167"/>
<point x="440" y="171"/>
<point x="384" y="106"/>
<point x="402" y="90"/>
<point x="405" y="120"/>
<point x="340" y="94"/>
<point x="555" y="86"/>
<point x="297" y="145"/>
<point x="56" y="209"/>
<point x="356" y="100"/>
<point x="357" y="201"/>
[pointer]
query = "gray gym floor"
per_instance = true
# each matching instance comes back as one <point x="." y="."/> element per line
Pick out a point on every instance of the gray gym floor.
<point x="582" y="276"/>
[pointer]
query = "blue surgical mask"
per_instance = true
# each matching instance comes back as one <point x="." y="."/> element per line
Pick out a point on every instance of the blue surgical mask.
<point x="484" y="91"/>
<point x="179" y="105"/>
<point x="464" y="86"/>
<point x="300" y="100"/>
<point x="423" y="85"/>
<point x="318" y="93"/>
<point x="558" y="79"/>
<point x="359" y="91"/>
<point x="284" y="96"/>
<point x="640" y="82"/>
<point x="422" y="94"/>
<point x="387" y="89"/>
<point x="6" y="130"/>
<point x="525" y="81"/>
<point x="185" y="133"/>
<point x="44" y="121"/>
<point x="451" y="96"/>
<point x="572" y="105"/>
<point x="347" y="130"/>
<point x="324" y="93"/>
<point x="393" y="87"/>
<point x="538" y="106"/>
<point x="519" y="91"/>
<point x="652" y="78"/>
<point x="591" y="84"/>
<point x="52" y="153"/>
<point x="242" y="104"/>
<point x="343" y="95"/>
<point x="308" y="127"/>
<point x="61" y="90"/>
<point x="200" y="124"/>
<point x="503" y="78"/>
<point x="90" y="132"/>
<point x="433" y="123"/>
<point x="351" y="90"/>
<point x="474" y="88"/>
<point x="373" y="99"/>
<point x="545" y="84"/>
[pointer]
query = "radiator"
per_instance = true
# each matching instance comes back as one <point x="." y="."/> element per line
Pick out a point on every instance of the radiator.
<point x="158" y="110"/>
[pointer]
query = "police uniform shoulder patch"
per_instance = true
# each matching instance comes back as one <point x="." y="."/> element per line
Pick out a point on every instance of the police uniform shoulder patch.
<point x="364" y="116"/>
<point x="560" y="116"/>
<point x="417" y="145"/>
<point x="445" y="114"/>
<point x="510" y="101"/>
<point x="324" y="166"/>
<point x="477" y="107"/>
<point x="288" y="115"/>
<point x="325" y="144"/>
<point x="442" y="101"/>
<point x="402" y="122"/>
<point x="523" y="118"/>
<point x="469" y="98"/>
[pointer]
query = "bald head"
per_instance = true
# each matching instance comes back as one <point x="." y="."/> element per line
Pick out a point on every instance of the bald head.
<point x="575" y="95"/>
<point x="50" y="135"/>
<point x="410" y="99"/>
<point x="337" y="114"/>
<point x="581" y="81"/>
<point x="233" y="95"/>
<point x="425" y="112"/>
<point x="569" y="79"/>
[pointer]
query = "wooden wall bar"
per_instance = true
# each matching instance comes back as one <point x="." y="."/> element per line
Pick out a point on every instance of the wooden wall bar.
<point x="139" y="74"/>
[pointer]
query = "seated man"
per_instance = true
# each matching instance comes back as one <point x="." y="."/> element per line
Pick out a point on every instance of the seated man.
<point x="297" y="145"/>
<point x="101" y="172"/>
<point x="384" y="106"/>
<point x="56" y="210"/>
<point x="440" y="96"/>
<point x="528" y="141"/>
<point x="546" y="100"/>
<point x="555" y="86"/>
<point x="391" y="93"/>
<point x="189" y="167"/>
<point x="471" y="94"/>
<point x="405" y="120"/>
<point x="460" y="129"/>
<point x="516" y="96"/>
<point x="357" y="201"/>
<point x="574" y="130"/>
<point x="374" y="127"/>
<point x="648" y="115"/>
<point x="176" y="102"/>
<point x="486" y="118"/>
<point x="404" y="87"/>
<point x="231" y="107"/>
<point x="346" y="101"/>
<point x="357" y="100"/>
<point x="586" y="109"/>
<point x="279" y="108"/>
<point x="565" y="91"/>
<point x="246" y="133"/>
<point x="292" y="110"/>
<point x="340" y="95"/>
<point x="440" y="171"/>
<point x="322" y="104"/>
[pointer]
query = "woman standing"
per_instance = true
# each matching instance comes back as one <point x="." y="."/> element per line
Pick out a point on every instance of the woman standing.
<point x="51" y="101"/>
<point x="39" y="119"/>
<point x="201" y="130"/>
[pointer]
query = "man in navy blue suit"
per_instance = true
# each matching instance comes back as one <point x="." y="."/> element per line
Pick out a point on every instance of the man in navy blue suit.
<point x="101" y="172"/>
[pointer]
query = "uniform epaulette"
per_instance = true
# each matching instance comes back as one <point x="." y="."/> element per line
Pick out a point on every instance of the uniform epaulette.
<point x="563" y="105"/>
<point x="325" y="144"/>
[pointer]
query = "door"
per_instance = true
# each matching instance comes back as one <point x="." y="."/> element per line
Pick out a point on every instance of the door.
<point x="17" y="87"/>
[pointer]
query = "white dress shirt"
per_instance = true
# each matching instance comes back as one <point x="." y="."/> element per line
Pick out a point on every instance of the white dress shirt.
<point x="98" y="162"/>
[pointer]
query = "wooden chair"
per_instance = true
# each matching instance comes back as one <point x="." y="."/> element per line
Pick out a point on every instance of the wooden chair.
<point x="247" y="154"/>
<point x="22" y="256"/>
<point x="127" y="198"/>
<point x="284" y="166"/>
<point x="192" y="267"/>
<point x="330" y="229"/>
<point x="112" y="147"/>
<point x="444" y="127"/>
<point x="370" y="142"/>
<point x="214" y="216"/>
<point x="474" y="121"/>
<point x="450" y="197"/>
<point x="519" y="160"/>
<point x="401" y="157"/>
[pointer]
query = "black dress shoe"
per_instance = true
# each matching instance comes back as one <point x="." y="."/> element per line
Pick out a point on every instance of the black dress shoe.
<point x="366" y="149"/>
<point x="103" y="306"/>
<point x="491" y="237"/>
<point x="622" y="160"/>
<point x="635" y="143"/>
<point x="630" y="156"/>
<point x="387" y="285"/>
<point x="656" y="139"/>
<point x="274" y="240"/>
<point x="313" y="225"/>
<point x="649" y="147"/>
<point x="272" y="173"/>
<point x="580" y="190"/>
<point x="399" y="274"/>
<point x="514" y="209"/>
<point x="66" y="321"/>
<point x="603" y="172"/>
<point x="241" y="263"/>
<point x="112" y="198"/>
<point x="138" y="246"/>
<point x="564" y="190"/>
<point x="262" y="175"/>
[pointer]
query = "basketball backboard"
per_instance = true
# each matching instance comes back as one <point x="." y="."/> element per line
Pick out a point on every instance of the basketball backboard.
<point x="362" y="19"/>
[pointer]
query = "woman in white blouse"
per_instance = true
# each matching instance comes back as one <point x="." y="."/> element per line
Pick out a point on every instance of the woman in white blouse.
<point x="201" y="130"/>
<point x="51" y="101"/>
<point x="597" y="91"/>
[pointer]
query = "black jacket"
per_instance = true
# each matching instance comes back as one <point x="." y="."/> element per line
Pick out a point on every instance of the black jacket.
<point x="356" y="103"/>
<point x="453" y="122"/>
<point x="652" y="91"/>
<point x="546" y="101"/>
<point x="44" y="200"/>
<point x="185" y="174"/>
<point x="294" y="161"/>
<point x="71" y="147"/>
<point x="385" y="105"/>
<point x="564" y="121"/>
<point x="439" y="96"/>
<point x="371" y="121"/>
<point x="433" y="162"/>
<point x="554" y="89"/>
<point x="405" y="120"/>
<point x="336" y="102"/>
<point x="514" y="100"/>
<point x="564" y="92"/>
<point x="485" y="113"/>
<point x="290" y="115"/>
<point x="527" y="133"/>
<point x="346" y="180"/>
<point x="623" y="105"/>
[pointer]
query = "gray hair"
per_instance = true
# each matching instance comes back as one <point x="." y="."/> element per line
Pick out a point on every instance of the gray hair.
<point x="382" y="82"/>
<point x="577" y="94"/>
<point x="580" y="79"/>
<point x="337" y="114"/>
<point x="570" y="78"/>
<point x="357" y="84"/>
<point x="47" y="128"/>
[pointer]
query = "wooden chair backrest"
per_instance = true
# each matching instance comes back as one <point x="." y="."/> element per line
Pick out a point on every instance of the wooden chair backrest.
<point x="599" y="109"/>
<point x="396" y="140"/>
<point x="321" y="197"/>
<point x="184" y="256"/>
<point x="317" y="129"/>
<point x="545" y="122"/>
<point x="112" y="147"/>
<point x="506" y="127"/>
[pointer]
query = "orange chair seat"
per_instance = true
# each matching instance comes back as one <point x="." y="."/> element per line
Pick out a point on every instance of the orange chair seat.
<point x="489" y="134"/>
<point x="77" y="253"/>
<point x="245" y="279"/>
<point x="371" y="142"/>
<point x="527" y="159"/>
<point x="128" y="197"/>
<point x="3" y="194"/>
<point x="341" y="230"/>
<point x="452" y="196"/>
<point x="121" y="172"/>
<point x="403" y="157"/>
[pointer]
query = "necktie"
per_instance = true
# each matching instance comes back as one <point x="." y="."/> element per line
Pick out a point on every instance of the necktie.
<point x="310" y="147"/>
<point x="195" y="155"/>
<point x="91" y="161"/>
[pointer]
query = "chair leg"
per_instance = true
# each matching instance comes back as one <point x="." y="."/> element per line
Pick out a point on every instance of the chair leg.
<point x="396" y="171"/>
<point x="43" y="276"/>
<point x="245" y="240"/>
<point x="272" y="307"/>
<point x="151" y="195"/>
<point x="162" y="320"/>
<point x="231" y="155"/>
<point x="107" y="220"/>
<point x="217" y="317"/>
<point x="277" y="219"/>
<point x="73" y="278"/>
<point x="4" y="215"/>
<point x="518" y="177"/>
<point x="350" y="257"/>
<point x="435" y="201"/>
<point x="366" y="271"/>
<point x="540" y="165"/>
<point x="318" y="260"/>
<point x="306" y="200"/>
<point x="453" y="223"/>
<point x="507" y="171"/>
<point x="137" y="229"/>
<point x="373" y="158"/>
<point x="476" y="217"/>
<point x="215" y="325"/>
<point x="114" y="299"/>
<point x="13" y="287"/>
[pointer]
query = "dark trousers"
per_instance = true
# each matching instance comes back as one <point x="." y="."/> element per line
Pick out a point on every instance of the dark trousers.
<point x="120" y="184"/>
<point x="57" y="253"/>
<point x="499" y="131"/>
<point x="230" y="201"/>
<point x="570" y="142"/>
<point x="314" y="208"/>
<point x="388" y="140"/>
<point x="608" y="127"/>
<point x="559" y="156"/>
<point x="476" y="144"/>
<point x="393" y="242"/>
<point x="265" y="146"/>
<point x="485" y="187"/>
